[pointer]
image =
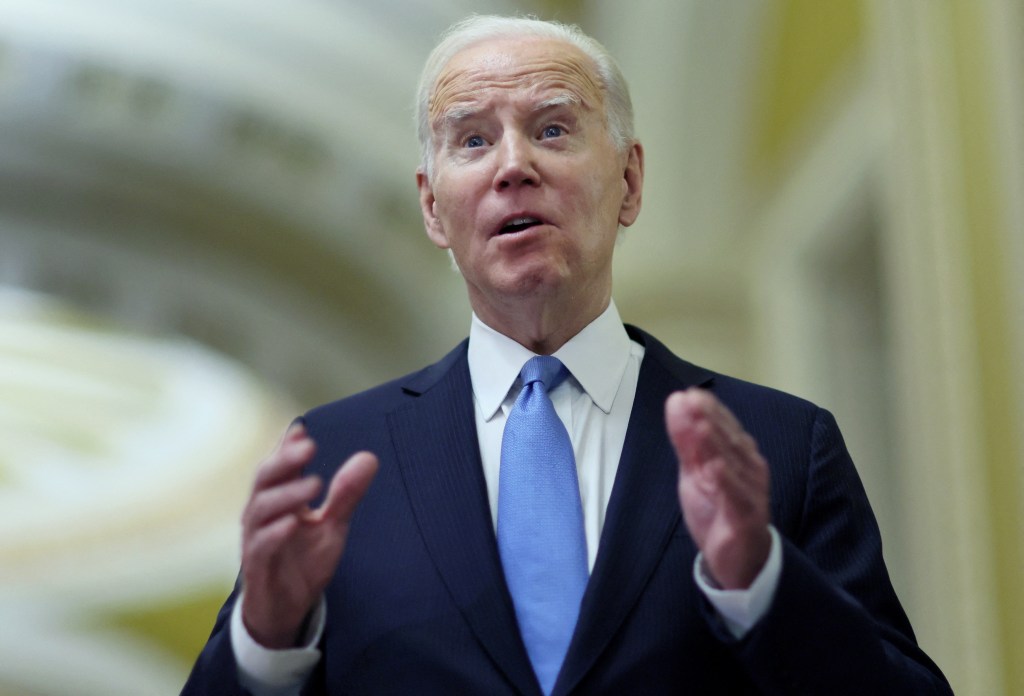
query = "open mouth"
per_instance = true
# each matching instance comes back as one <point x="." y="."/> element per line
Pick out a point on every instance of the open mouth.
<point x="519" y="224"/>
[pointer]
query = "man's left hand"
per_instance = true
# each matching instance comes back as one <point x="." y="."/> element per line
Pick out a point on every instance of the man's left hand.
<point x="723" y="487"/>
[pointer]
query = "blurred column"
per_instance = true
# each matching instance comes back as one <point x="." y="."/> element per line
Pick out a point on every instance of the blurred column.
<point x="951" y="240"/>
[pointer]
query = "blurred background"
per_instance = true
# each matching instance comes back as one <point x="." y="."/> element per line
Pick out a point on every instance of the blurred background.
<point x="208" y="223"/>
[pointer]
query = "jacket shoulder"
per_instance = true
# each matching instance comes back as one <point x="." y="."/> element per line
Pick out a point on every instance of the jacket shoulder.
<point x="738" y="394"/>
<point x="386" y="397"/>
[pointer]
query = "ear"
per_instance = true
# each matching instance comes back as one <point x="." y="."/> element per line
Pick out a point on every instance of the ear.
<point x="633" y="185"/>
<point x="428" y="205"/>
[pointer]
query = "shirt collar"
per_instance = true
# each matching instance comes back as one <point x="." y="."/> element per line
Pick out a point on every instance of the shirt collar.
<point x="596" y="357"/>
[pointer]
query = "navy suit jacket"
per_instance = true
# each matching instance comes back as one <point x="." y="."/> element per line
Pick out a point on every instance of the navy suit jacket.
<point x="419" y="605"/>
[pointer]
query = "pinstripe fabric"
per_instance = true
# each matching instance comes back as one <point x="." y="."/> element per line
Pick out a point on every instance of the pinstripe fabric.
<point x="419" y="603"/>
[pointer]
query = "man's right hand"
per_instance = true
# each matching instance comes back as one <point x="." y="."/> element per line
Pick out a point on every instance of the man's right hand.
<point x="290" y="551"/>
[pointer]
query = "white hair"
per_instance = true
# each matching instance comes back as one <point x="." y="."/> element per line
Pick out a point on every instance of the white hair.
<point x="477" y="28"/>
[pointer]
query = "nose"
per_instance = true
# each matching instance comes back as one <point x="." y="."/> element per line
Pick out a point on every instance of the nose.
<point x="516" y="166"/>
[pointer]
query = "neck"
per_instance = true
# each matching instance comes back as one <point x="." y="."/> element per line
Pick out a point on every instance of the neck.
<point x="541" y="326"/>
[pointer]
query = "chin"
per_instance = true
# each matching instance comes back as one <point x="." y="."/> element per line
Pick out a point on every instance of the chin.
<point x="536" y="287"/>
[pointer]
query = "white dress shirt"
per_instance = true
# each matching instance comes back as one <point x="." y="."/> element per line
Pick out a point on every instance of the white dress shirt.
<point x="594" y="403"/>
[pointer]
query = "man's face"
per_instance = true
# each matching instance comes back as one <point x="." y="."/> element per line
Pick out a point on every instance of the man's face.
<point x="527" y="189"/>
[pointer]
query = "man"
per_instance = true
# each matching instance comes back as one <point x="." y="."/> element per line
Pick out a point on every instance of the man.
<point x="406" y="578"/>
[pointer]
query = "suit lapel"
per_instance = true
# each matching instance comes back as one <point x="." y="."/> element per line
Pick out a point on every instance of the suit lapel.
<point x="642" y="513"/>
<point x="439" y="456"/>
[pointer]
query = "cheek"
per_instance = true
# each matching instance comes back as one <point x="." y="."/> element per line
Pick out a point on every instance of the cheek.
<point x="456" y="214"/>
<point x="598" y="200"/>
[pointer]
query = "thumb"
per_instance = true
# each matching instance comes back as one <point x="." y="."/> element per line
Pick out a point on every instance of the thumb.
<point x="679" y="422"/>
<point x="348" y="487"/>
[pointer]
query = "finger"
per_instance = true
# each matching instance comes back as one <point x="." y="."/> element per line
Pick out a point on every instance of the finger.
<point x="731" y="469"/>
<point x="695" y="429"/>
<point x="739" y="450"/>
<point x="259" y="548"/>
<point x="348" y="487"/>
<point x="721" y="440"/>
<point x="702" y="404"/>
<point x="736" y="490"/>
<point x="680" y="423"/>
<point x="291" y="497"/>
<point x="716" y="410"/>
<point x="723" y="435"/>
<point x="725" y="473"/>
<point x="286" y="461"/>
<point x="732" y="431"/>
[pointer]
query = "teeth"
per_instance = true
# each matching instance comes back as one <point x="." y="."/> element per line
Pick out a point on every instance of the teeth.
<point x="519" y="224"/>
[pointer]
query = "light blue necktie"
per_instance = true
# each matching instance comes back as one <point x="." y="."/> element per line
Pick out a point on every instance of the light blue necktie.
<point x="540" y="521"/>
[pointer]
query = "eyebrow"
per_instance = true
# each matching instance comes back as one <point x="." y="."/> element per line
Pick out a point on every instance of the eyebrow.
<point x="460" y="114"/>
<point x="567" y="99"/>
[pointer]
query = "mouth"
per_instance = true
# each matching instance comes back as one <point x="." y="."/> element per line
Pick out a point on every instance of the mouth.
<point x="519" y="223"/>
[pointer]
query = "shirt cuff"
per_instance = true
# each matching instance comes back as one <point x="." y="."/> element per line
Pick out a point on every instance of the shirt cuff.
<point x="267" y="672"/>
<point x="741" y="609"/>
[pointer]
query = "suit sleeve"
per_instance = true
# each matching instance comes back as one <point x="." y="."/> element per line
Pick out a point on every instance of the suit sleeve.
<point x="216" y="670"/>
<point x="835" y="625"/>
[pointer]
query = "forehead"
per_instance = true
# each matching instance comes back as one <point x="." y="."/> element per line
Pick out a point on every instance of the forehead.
<point x="535" y="66"/>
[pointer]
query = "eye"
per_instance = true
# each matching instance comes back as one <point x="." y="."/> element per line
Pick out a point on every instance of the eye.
<point x="552" y="131"/>
<point x="474" y="141"/>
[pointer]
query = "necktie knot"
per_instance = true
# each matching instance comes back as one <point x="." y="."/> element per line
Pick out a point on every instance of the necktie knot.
<point x="546" y="369"/>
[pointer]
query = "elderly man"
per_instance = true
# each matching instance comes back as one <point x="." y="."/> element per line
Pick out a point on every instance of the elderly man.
<point x="560" y="505"/>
